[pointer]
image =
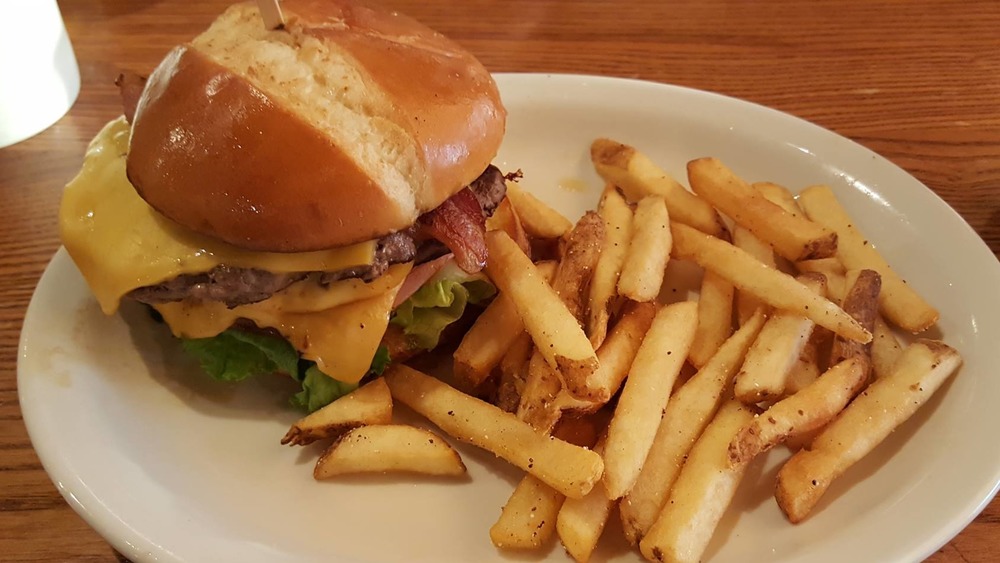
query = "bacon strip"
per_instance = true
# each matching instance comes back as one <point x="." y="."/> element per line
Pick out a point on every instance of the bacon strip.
<point x="460" y="224"/>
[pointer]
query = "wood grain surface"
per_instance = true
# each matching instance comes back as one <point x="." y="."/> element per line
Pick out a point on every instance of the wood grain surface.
<point x="916" y="81"/>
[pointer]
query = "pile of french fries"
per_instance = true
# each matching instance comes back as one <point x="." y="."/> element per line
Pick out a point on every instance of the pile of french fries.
<point x="579" y="375"/>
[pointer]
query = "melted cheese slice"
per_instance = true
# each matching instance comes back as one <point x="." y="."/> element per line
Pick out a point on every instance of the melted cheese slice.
<point x="339" y="327"/>
<point x="120" y="243"/>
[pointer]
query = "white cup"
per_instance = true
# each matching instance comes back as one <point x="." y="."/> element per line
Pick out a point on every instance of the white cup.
<point x="39" y="77"/>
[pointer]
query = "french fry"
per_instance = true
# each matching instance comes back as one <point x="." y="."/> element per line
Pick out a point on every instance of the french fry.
<point x="570" y="469"/>
<point x="780" y="196"/>
<point x="833" y="270"/>
<point x="861" y="302"/>
<point x="715" y="317"/>
<point x="809" y="409"/>
<point x="505" y="219"/>
<point x="581" y="521"/>
<point x="538" y="406"/>
<point x="389" y="448"/>
<point x="701" y="494"/>
<point x="555" y="331"/>
<point x="805" y="370"/>
<point x="618" y="351"/>
<point x="886" y="404"/>
<point x="899" y="302"/>
<point x="514" y="372"/>
<point x="886" y="348"/>
<point x="747" y="304"/>
<point x="538" y="219"/>
<point x="648" y="251"/>
<point x="486" y="342"/>
<point x="580" y="254"/>
<point x="777" y="348"/>
<point x="529" y="517"/>
<point x="792" y="236"/>
<point x="767" y="284"/>
<point x="369" y="404"/>
<point x="617" y="217"/>
<point x="688" y="412"/>
<point x="638" y="177"/>
<point x="644" y="397"/>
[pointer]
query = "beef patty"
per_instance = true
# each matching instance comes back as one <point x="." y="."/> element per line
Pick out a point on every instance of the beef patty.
<point x="239" y="286"/>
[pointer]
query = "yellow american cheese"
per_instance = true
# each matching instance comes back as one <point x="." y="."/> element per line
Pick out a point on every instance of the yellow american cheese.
<point x="120" y="243"/>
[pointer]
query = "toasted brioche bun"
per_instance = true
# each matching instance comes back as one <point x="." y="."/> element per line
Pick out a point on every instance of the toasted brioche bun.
<point x="344" y="126"/>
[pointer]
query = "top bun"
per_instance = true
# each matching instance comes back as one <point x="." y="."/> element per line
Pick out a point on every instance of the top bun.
<point x="344" y="126"/>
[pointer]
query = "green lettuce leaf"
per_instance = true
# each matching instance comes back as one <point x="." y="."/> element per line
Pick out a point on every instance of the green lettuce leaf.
<point x="440" y="302"/>
<point x="235" y="355"/>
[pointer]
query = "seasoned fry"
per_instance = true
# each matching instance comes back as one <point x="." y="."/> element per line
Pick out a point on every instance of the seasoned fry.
<point x="618" y="351"/>
<point x="776" y="350"/>
<point x="514" y="372"/>
<point x="389" y="448"/>
<point x="886" y="348"/>
<point x="538" y="219"/>
<point x="644" y="397"/>
<point x="648" y="251"/>
<point x="767" y="284"/>
<point x="582" y="249"/>
<point x="538" y="406"/>
<point x="581" y="521"/>
<point x="529" y="517"/>
<point x="486" y="342"/>
<point x="369" y="404"/>
<point x="617" y="217"/>
<point x="809" y="409"/>
<point x="746" y="304"/>
<point x="805" y="370"/>
<point x="833" y="270"/>
<point x="715" y="317"/>
<point x="505" y="219"/>
<point x="555" y="331"/>
<point x="701" y="494"/>
<point x="861" y="302"/>
<point x="638" y="177"/>
<point x="570" y="469"/>
<point x="792" y="236"/>
<point x="780" y="196"/>
<point x="688" y="412"/>
<point x="899" y="302"/>
<point x="888" y="402"/>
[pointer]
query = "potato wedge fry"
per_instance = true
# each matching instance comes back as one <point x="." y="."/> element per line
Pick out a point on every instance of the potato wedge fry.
<point x="369" y="404"/>
<point x="899" y="302"/>
<point x="778" y="195"/>
<point x="529" y="517"/>
<point x="688" y="412"/>
<point x="644" y="398"/>
<point x="701" y="494"/>
<point x="638" y="177"/>
<point x="767" y="284"/>
<point x="514" y="373"/>
<point x="715" y="318"/>
<point x="538" y="406"/>
<point x="556" y="333"/>
<point x="570" y="469"/>
<point x="886" y="404"/>
<point x="538" y="219"/>
<point x="861" y="302"/>
<point x="385" y="448"/>
<point x="809" y="409"/>
<point x="581" y="521"/>
<point x="792" y="236"/>
<point x="505" y="219"/>
<point x="648" y="251"/>
<point x="777" y="348"/>
<point x="746" y="304"/>
<point x="617" y="217"/>
<point x="886" y="348"/>
<point x="580" y="254"/>
<point x="486" y="342"/>
<point x="618" y="351"/>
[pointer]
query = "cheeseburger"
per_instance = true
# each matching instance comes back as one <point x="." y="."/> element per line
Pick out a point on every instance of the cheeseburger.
<point x="308" y="200"/>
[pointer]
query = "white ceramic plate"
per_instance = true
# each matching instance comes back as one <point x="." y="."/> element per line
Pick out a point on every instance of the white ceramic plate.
<point x="171" y="467"/>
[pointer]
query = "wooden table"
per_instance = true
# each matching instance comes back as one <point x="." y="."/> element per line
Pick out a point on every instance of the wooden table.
<point x="917" y="81"/>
